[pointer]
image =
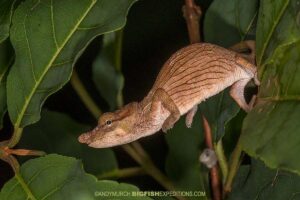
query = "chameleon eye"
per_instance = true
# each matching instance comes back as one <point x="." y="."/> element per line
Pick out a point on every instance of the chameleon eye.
<point x="108" y="122"/>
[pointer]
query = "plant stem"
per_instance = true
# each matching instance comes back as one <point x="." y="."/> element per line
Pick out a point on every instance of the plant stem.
<point x="234" y="165"/>
<point x="192" y="14"/>
<point x="214" y="171"/>
<point x="84" y="95"/>
<point x="11" y="160"/>
<point x="118" y="62"/>
<point x="25" y="152"/>
<point x="151" y="169"/>
<point x="15" y="138"/>
<point x="122" y="173"/>
<point x="222" y="159"/>
<point x="118" y="50"/>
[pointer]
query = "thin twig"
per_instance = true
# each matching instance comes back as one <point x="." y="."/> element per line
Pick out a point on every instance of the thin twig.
<point x="84" y="95"/>
<point x="24" y="152"/>
<point x="10" y="159"/>
<point x="15" y="138"/>
<point x="149" y="167"/>
<point x="122" y="173"/>
<point x="139" y="149"/>
<point x="221" y="159"/>
<point x="214" y="171"/>
<point x="234" y="166"/>
<point x="192" y="14"/>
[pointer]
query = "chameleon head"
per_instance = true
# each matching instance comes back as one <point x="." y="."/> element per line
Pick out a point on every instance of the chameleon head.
<point x="114" y="128"/>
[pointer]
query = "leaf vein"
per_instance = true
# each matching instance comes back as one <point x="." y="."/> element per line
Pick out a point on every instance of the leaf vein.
<point x="29" y="51"/>
<point x="52" y="25"/>
<point x="19" y="118"/>
<point x="276" y="21"/>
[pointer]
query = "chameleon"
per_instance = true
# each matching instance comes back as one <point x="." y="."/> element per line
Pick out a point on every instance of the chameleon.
<point x="190" y="76"/>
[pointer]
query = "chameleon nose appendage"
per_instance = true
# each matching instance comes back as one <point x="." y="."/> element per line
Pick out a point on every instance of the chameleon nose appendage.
<point x="85" y="138"/>
<point x="88" y="137"/>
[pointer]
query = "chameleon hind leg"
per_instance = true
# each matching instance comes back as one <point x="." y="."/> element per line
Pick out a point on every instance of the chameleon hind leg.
<point x="237" y="93"/>
<point x="162" y="96"/>
<point x="190" y="116"/>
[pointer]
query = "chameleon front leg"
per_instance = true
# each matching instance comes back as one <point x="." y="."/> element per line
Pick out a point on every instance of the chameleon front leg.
<point x="237" y="93"/>
<point x="162" y="96"/>
<point x="190" y="116"/>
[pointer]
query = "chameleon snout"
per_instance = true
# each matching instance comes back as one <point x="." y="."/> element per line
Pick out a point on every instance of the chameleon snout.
<point x="88" y="137"/>
<point x="85" y="138"/>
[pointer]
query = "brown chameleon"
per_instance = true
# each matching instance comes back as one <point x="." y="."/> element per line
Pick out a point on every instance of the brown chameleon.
<point x="189" y="76"/>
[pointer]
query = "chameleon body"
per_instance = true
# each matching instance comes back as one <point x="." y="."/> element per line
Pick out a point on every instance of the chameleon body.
<point x="189" y="76"/>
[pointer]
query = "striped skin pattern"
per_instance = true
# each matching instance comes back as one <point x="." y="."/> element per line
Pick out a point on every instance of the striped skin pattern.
<point x="189" y="76"/>
<point x="200" y="71"/>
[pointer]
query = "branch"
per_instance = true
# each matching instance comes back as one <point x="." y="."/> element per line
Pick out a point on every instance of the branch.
<point x="214" y="175"/>
<point x="234" y="166"/>
<point x="221" y="159"/>
<point x="15" y="138"/>
<point x="192" y="14"/>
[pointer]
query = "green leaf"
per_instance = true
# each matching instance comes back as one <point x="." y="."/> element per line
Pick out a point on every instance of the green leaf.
<point x="271" y="131"/>
<point x="57" y="133"/>
<point x="219" y="110"/>
<point x="6" y="12"/>
<point x="182" y="163"/>
<point x="46" y="47"/>
<point x="59" y="177"/>
<point x="229" y="22"/>
<point x="276" y="27"/>
<point x="259" y="182"/>
<point x="106" y="70"/>
<point x="6" y="58"/>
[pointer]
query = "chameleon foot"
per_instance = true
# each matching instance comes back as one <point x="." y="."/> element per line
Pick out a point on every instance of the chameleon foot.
<point x="237" y="93"/>
<point x="190" y="116"/>
<point x="169" y="123"/>
<point x="162" y="96"/>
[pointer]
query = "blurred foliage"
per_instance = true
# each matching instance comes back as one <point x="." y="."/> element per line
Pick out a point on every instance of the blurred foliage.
<point x="107" y="73"/>
<point x="48" y="37"/>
